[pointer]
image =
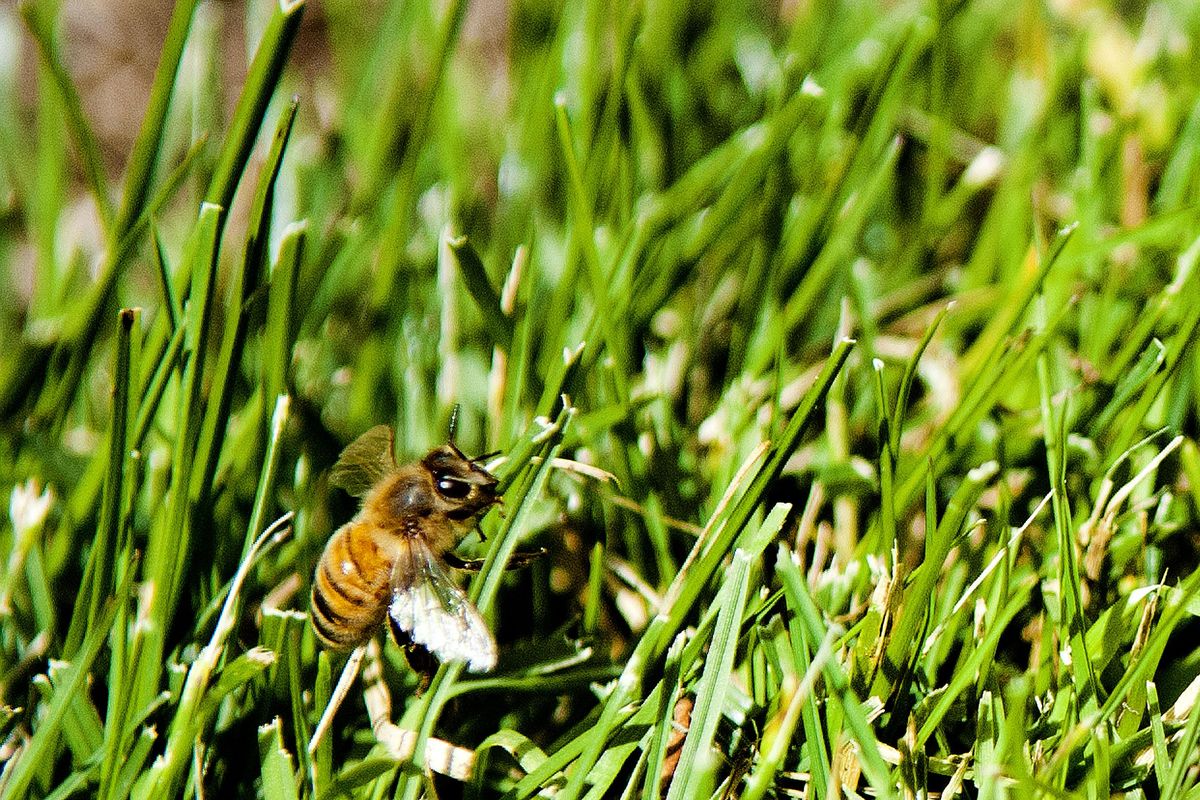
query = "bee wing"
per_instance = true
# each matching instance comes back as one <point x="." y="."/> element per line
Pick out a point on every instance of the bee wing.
<point x="434" y="613"/>
<point x="365" y="461"/>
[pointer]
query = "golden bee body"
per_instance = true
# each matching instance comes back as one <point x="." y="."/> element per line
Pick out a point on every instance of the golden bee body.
<point x="352" y="586"/>
<point x="389" y="561"/>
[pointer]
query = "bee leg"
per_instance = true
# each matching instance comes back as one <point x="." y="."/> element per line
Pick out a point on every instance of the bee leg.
<point x="422" y="662"/>
<point x="518" y="560"/>
<point x="470" y="565"/>
<point x="522" y="560"/>
<point x="419" y="659"/>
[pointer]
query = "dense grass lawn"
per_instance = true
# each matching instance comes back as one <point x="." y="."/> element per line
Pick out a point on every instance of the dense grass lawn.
<point x="839" y="355"/>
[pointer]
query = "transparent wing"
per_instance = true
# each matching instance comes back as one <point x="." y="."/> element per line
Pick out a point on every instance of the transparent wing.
<point x="365" y="461"/>
<point x="435" y="613"/>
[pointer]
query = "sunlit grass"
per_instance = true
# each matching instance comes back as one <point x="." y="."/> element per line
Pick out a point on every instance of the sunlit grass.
<point x="841" y="358"/>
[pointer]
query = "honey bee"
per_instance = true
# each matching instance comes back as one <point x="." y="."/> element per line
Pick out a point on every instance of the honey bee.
<point x="391" y="561"/>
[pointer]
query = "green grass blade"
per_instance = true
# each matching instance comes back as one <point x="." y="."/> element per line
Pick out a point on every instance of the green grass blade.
<point x="41" y="29"/>
<point x="261" y="79"/>
<point x="278" y="780"/>
<point x="43" y="746"/>
<point x="244" y="285"/>
<point x="696" y="759"/>
<point x="147" y="147"/>
<point x="479" y="286"/>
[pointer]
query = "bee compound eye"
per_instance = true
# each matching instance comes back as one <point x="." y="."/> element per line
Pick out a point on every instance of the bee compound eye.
<point x="452" y="488"/>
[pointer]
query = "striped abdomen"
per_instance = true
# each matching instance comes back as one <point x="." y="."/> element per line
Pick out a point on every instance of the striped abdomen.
<point x="352" y="586"/>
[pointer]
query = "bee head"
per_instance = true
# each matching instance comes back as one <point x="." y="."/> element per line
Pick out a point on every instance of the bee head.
<point x="463" y="487"/>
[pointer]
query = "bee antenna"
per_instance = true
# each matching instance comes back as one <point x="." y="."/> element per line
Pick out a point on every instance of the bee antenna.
<point x="453" y="422"/>
<point x="485" y="456"/>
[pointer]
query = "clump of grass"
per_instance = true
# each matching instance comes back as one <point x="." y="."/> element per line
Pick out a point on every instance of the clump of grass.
<point x="841" y="358"/>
